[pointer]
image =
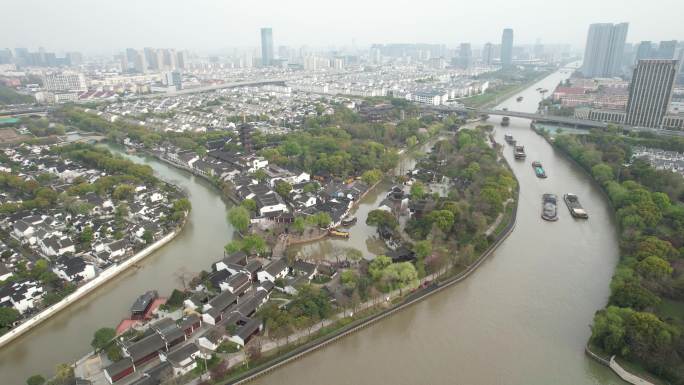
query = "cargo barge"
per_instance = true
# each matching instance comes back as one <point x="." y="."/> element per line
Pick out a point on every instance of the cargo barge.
<point x="576" y="209"/>
<point x="538" y="169"/>
<point x="549" y="207"/>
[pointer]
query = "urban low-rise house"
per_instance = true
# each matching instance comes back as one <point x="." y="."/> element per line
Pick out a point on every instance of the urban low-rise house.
<point x="146" y="349"/>
<point x="22" y="295"/>
<point x="305" y="269"/>
<point x="212" y="339"/>
<point x="214" y="309"/>
<point x="238" y="283"/>
<point x="116" y="248"/>
<point x="182" y="359"/>
<point x="274" y="270"/>
<point x="54" y="246"/>
<point x="236" y="258"/>
<point x="245" y="332"/>
<point x="5" y="273"/>
<point x="119" y="369"/>
<point x="190" y="324"/>
<point x="74" y="269"/>
<point x="219" y="279"/>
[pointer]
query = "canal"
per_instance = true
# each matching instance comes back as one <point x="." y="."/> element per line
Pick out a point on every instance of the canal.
<point x="66" y="336"/>
<point x="522" y="318"/>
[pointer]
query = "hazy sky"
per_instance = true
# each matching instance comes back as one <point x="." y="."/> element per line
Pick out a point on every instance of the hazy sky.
<point x="213" y="25"/>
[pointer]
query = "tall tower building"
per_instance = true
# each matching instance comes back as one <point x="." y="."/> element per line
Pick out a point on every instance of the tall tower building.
<point x="604" y="49"/>
<point x="266" y="46"/>
<point x="246" y="137"/>
<point x="650" y="92"/>
<point x="644" y="51"/>
<point x="488" y="54"/>
<point x="507" y="48"/>
<point x="666" y="49"/>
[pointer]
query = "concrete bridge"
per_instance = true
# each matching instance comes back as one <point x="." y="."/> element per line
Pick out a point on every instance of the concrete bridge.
<point x="566" y="121"/>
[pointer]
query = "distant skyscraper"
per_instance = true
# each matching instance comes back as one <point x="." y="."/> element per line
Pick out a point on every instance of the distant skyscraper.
<point x="650" y="92"/>
<point x="266" y="46"/>
<point x="507" y="48"/>
<point x="465" y="55"/>
<point x="644" y="51"/>
<point x="666" y="49"/>
<point x="604" y="49"/>
<point x="181" y="59"/>
<point x="488" y="54"/>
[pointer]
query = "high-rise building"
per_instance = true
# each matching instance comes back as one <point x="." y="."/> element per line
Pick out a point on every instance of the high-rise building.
<point x="465" y="55"/>
<point x="5" y="56"/>
<point x="488" y="54"/>
<point x="650" y="92"/>
<point x="64" y="81"/>
<point x="181" y="59"/>
<point x="151" y="58"/>
<point x="666" y="49"/>
<point x="507" y="48"/>
<point x="173" y="78"/>
<point x="644" y="51"/>
<point x="604" y="49"/>
<point x="74" y="58"/>
<point x="266" y="47"/>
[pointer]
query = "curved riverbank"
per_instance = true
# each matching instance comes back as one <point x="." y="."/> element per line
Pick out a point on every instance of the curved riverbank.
<point x="87" y="288"/>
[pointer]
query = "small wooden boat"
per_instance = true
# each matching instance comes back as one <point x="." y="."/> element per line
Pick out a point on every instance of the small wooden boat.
<point x="338" y="233"/>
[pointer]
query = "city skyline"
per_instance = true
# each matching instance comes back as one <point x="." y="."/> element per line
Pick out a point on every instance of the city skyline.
<point x="208" y="26"/>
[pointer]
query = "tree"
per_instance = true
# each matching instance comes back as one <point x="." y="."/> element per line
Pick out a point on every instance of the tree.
<point x="260" y="175"/>
<point x="382" y="218"/>
<point x="320" y="219"/>
<point x="654" y="268"/>
<point x="349" y="279"/>
<point x="87" y="234"/>
<point x="609" y="331"/>
<point x="8" y="316"/>
<point x="354" y="255"/>
<point x="249" y="204"/>
<point x="102" y="337"/>
<point x="422" y="249"/>
<point x="418" y="190"/>
<point x="36" y="379"/>
<point x="283" y="188"/>
<point x="147" y="237"/>
<point x="378" y="265"/>
<point x="444" y="219"/>
<point x="239" y="217"/>
<point x="311" y="187"/>
<point x="371" y="177"/>
<point x="299" y="225"/>
<point x="602" y="173"/>
<point x="123" y="192"/>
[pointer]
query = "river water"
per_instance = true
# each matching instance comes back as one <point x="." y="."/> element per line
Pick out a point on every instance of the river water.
<point x="522" y="318"/>
<point x="66" y="336"/>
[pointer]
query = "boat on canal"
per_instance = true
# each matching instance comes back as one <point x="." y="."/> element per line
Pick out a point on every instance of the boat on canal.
<point x="338" y="233"/>
<point x="549" y="207"/>
<point x="519" y="99"/>
<point x="538" y="169"/>
<point x="348" y="220"/>
<point x="576" y="209"/>
<point x="519" y="152"/>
